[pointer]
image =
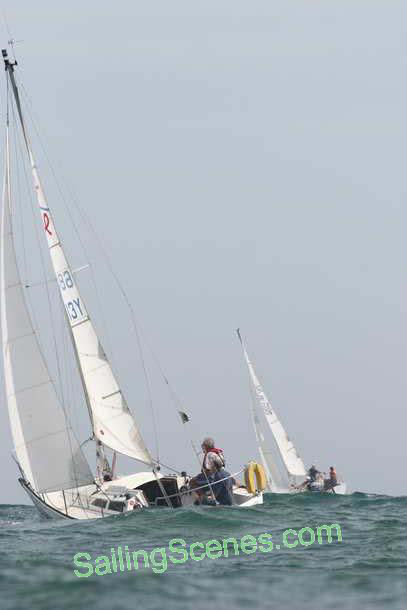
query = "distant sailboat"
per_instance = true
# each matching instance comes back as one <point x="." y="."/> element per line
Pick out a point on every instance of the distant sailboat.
<point x="54" y="470"/>
<point x="283" y="465"/>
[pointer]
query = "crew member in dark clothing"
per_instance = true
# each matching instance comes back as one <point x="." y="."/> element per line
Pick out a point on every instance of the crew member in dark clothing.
<point x="213" y="476"/>
<point x="224" y="489"/>
<point x="312" y="472"/>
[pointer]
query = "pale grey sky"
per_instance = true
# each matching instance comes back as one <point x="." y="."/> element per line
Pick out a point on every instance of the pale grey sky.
<point x="244" y="163"/>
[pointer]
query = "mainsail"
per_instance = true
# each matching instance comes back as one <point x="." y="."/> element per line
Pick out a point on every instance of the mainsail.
<point x="112" y="422"/>
<point x="46" y="448"/>
<point x="292" y="462"/>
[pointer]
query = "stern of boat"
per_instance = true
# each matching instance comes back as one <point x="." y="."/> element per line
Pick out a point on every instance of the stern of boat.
<point x="243" y="498"/>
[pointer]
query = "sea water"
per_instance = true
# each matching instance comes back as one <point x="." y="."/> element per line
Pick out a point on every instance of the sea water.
<point x="367" y="568"/>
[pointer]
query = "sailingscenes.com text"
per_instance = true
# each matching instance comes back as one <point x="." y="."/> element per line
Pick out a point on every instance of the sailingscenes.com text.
<point x="122" y="559"/>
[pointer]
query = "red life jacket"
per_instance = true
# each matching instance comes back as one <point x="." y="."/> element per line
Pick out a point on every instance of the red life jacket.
<point x="218" y="452"/>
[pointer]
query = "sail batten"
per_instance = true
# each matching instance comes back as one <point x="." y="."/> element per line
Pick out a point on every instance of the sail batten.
<point x="112" y="422"/>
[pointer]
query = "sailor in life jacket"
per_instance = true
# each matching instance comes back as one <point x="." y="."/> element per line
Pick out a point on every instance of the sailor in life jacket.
<point x="213" y="458"/>
<point x="213" y="476"/>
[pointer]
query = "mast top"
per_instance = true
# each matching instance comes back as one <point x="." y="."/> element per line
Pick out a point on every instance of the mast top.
<point x="8" y="63"/>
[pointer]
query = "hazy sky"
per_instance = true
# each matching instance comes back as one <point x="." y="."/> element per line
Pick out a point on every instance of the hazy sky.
<point x="244" y="164"/>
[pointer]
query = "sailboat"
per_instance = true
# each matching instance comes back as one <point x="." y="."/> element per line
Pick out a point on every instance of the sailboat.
<point x="55" y="472"/>
<point x="284" y="467"/>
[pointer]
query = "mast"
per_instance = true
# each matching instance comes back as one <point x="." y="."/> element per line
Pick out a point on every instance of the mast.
<point x="113" y="424"/>
<point x="47" y="451"/>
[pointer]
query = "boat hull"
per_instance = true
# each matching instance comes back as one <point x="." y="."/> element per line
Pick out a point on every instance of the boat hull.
<point x="46" y="511"/>
<point x="339" y="490"/>
<point x="59" y="505"/>
<point x="244" y="499"/>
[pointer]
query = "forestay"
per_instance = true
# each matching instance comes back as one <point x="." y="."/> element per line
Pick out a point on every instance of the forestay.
<point x="292" y="461"/>
<point x="112" y="422"/>
<point x="46" y="448"/>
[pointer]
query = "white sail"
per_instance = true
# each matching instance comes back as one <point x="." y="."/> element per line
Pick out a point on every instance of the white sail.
<point x="112" y="422"/>
<point x="272" y="472"/>
<point x="292" y="461"/>
<point x="46" y="449"/>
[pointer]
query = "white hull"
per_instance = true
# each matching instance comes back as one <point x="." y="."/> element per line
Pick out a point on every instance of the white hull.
<point x="244" y="499"/>
<point x="78" y="506"/>
<point x="340" y="490"/>
<point x="45" y="510"/>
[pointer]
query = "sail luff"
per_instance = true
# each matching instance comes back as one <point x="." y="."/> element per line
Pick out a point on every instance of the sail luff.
<point x="14" y="417"/>
<point x="268" y="467"/>
<point x="292" y="461"/>
<point x="112" y="422"/>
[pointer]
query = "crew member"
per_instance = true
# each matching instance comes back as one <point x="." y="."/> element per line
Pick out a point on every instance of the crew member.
<point x="213" y="476"/>
<point x="312" y="472"/>
<point x="333" y="479"/>
<point x="103" y="467"/>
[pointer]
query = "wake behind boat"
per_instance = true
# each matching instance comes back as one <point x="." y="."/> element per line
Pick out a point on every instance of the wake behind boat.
<point x="55" y="472"/>
<point x="285" y="470"/>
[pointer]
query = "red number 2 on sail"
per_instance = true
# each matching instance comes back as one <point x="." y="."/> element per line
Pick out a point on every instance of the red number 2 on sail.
<point x="46" y="223"/>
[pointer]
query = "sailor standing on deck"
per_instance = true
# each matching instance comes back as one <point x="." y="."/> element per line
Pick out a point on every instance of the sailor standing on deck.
<point x="333" y="479"/>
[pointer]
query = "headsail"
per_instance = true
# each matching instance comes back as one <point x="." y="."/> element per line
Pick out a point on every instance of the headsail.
<point x="47" y="450"/>
<point x="272" y="472"/>
<point x="112" y="422"/>
<point x="289" y="456"/>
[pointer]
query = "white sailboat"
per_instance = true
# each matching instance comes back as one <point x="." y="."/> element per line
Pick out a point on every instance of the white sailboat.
<point x="282" y="463"/>
<point x="54" y="470"/>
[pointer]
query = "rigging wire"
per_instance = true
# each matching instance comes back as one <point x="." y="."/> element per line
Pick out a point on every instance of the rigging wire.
<point x="148" y="385"/>
<point x="67" y="207"/>
<point x="32" y="309"/>
<point x="51" y="313"/>
<point x="43" y="266"/>
<point x="19" y="161"/>
<point x="84" y="216"/>
<point x="34" y="122"/>
<point x="173" y="397"/>
<point x="60" y="370"/>
<point x="133" y="319"/>
<point x="178" y="406"/>
<point x="19" y="195"/>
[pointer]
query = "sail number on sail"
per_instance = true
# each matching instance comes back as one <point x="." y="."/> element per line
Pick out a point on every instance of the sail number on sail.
<point x="72" y="301"/>
<point x="65" y="280"/>
<point x="74" y="310"/>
